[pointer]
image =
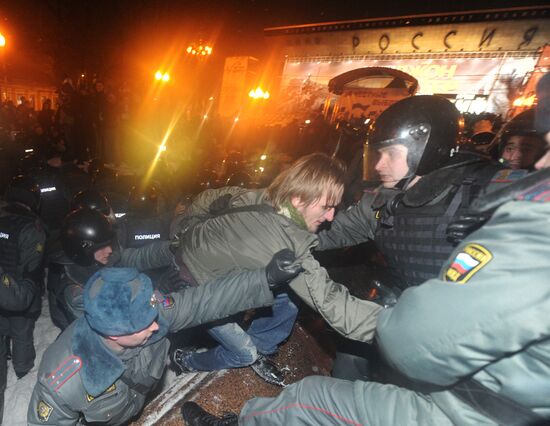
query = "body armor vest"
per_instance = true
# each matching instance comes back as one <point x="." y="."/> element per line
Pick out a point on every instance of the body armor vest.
<point x="411" y="232"/>
<point x="54" y="205"/>
<point x="138" y="232"/>
<point x="13" y="219"/>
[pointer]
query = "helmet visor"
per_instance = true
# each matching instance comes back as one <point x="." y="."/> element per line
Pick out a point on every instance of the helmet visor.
<point x="389" y="162"/>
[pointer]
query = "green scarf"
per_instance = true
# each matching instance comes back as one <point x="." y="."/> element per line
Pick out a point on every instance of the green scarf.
<point x="288" y="210"/>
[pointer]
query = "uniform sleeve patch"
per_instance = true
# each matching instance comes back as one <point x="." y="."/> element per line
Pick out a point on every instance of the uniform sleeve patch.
<point x="539" y="193"/>
<point x="6" y="280"/>
<point x="44" y="410"/>
<point x="164" y="300"/>
<point x="467" y="263"/>
<point x="508" y="175"/>
<point x="67" y="369"/>
<point x="39" y="248"/>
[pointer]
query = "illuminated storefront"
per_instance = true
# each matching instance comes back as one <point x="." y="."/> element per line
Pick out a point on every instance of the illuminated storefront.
<point x="476" y="59"/>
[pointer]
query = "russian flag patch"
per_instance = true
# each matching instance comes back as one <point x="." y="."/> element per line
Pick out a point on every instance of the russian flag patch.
<point x="471" y="259"/>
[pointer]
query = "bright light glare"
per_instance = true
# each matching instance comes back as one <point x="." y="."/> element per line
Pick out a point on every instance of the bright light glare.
<point x="166" y="77"/>
<point x="162" y="148"/>
<point x="258" y="93"/>
<point x="308" y="121"/>
<point x="2" y="40"/>
<point x="263" y="157"/>
<point x="158" y="75"/>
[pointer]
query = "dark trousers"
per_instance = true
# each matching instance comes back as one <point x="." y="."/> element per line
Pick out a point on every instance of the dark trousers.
<point x="3" y="373"/>
<point x="20" y="329"/>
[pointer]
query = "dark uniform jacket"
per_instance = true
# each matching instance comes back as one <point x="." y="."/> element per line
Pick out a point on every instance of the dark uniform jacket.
<point x="153" y="255"/>
<point x="81" y="378"/>
<point x="22" y="239"/>
<point x="409" y="227"/>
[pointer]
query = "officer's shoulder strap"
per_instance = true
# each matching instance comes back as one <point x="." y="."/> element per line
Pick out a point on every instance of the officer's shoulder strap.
<point x="539" y="193"/>
<point x="529" y="188"/>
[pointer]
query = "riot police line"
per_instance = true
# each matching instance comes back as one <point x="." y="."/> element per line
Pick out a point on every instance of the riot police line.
<point x="421" y="209"/>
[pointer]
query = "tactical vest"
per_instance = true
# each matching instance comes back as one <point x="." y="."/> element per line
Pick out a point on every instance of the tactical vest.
<point x="412" y="233"/>
<point x="138" y="232"/>
<point x="13" y="219"/>
<point x="54" y="205"/>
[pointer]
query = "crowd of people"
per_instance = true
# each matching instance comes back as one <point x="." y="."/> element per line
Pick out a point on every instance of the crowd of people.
<point x="453" y="334"/>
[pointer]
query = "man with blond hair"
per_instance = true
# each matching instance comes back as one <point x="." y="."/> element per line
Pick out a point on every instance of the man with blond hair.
<point x="232" y="229"/>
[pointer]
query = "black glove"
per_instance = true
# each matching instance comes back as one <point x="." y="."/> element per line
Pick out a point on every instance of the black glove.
<point x="464" y="225"/>
<point x="282" y="268"/>
<point x="176" y="241"/>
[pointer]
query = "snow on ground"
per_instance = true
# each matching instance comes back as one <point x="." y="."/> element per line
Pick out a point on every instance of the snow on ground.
<point x="18" y="392"/>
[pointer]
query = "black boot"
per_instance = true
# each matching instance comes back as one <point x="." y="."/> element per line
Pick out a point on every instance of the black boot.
<point x="194" y="415"/>
<point x="268" y="371"/>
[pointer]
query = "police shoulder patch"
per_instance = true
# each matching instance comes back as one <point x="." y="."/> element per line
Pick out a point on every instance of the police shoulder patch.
<point x="467" y="263"/>
<point x="67" y="369"/>
<point x="508" y="175"/>
<point x="164" y="300"/>
<point x="6" y="280"/>
<point x="43" y="410"/>
<point x="539" y="193"/>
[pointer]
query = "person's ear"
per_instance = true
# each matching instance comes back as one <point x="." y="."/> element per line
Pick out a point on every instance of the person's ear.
<point x="296" y="202"/>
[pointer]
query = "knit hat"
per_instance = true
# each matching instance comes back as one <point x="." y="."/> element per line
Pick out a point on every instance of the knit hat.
<point x="119" y="301"/>
<point x="542" y="115"/>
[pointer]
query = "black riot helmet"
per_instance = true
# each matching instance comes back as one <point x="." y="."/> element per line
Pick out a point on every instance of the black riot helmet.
<point x="85" y="231"/>
<point x="522" y="124"/>
<point x="143" y="200"/>
<point x="428" y="126"/>
<point x="92" y="199"/>
<point x="240" y="179"/>
<point x="25" y="190"/>
<point x="30" y="163"/>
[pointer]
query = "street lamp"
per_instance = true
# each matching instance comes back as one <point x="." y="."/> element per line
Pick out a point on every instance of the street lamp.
<point x="160" y="76"/>
<point x="2" y="53"/>
<point x="258" y="93"/>
<point x="200" y="49"/>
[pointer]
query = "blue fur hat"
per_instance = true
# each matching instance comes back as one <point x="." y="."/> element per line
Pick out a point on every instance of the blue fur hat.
<point x="119" y="301"/>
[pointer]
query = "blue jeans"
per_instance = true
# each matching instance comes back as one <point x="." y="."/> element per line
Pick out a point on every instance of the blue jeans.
<point x="239" y="348"/>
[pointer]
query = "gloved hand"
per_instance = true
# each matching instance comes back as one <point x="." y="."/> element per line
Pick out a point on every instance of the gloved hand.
<point x="176" y="241"/>
<point x="464" y="225"/>
<point x="282" y="268"/>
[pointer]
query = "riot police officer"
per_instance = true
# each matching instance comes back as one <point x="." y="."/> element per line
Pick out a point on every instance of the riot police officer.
<point x="89" y="243"/>
<point x="425" y="183"/>
<point x="22" y="239"/>
<point x="519" y="145"/>
<point x="142" y="223"/>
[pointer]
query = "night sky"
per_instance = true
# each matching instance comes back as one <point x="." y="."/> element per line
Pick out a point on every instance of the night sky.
<point x="127" y="36"/>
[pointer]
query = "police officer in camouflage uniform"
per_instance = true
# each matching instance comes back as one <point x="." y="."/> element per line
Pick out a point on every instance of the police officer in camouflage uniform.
<point x="103" y="366"/>
<point x="22" y="241"/>
<point x="475" y="338"/>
